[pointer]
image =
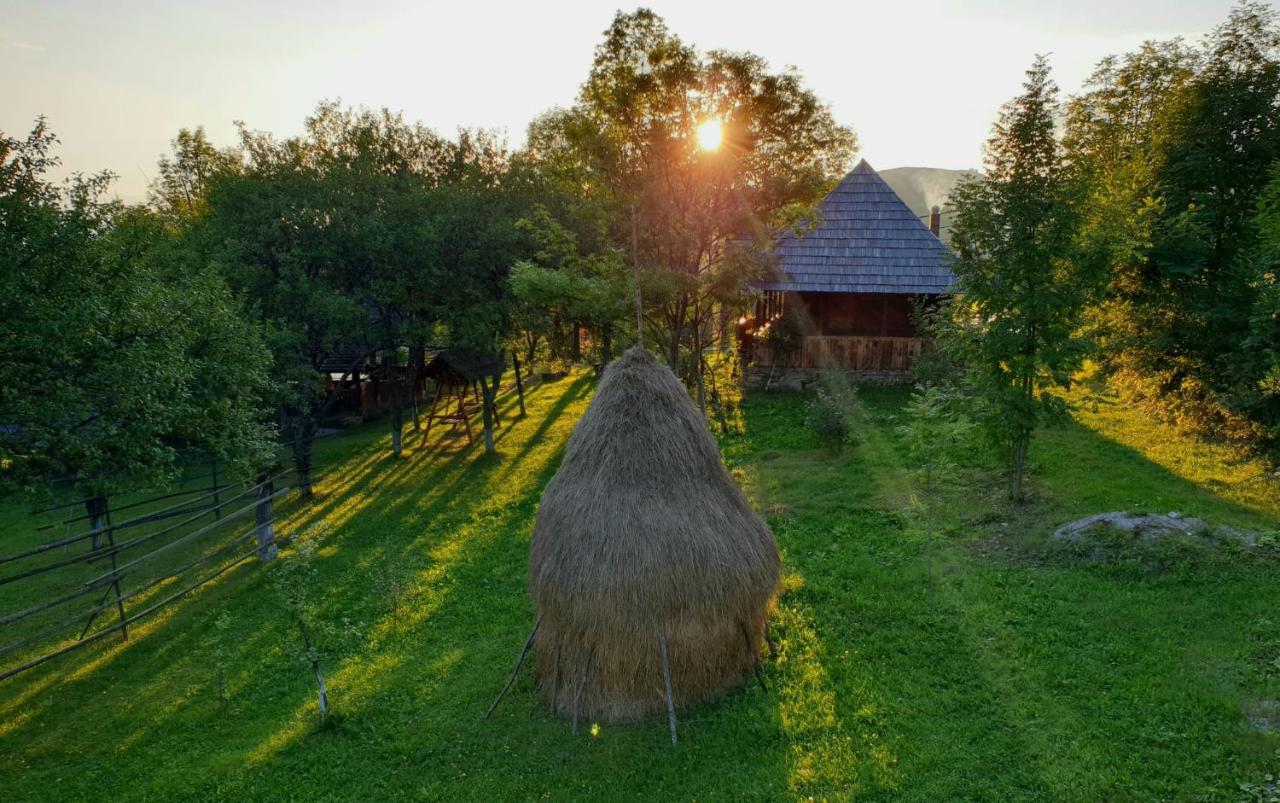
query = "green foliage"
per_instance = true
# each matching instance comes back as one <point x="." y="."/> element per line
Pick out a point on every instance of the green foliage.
<point x="117" y="350"/>
<point x="1026" y="678"/>
<point x="834" y="413"/>
<point x="785" y="336"/>
<point x="561" y="285"/>
<point x="1173" y="145"/>
<point x="628" y="148"/>
<point x="936" y="432"/>
<point x="828" y="421"/>
<point x="1022" y="291"/>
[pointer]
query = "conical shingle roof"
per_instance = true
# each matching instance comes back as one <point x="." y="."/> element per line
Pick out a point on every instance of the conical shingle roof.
<point x="868" y="241"/>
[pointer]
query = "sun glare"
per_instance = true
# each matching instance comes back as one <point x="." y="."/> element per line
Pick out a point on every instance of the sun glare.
<point x="709" y="135"/>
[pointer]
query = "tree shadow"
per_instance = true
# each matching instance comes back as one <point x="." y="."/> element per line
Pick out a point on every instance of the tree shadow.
<point x="174" y="645"/>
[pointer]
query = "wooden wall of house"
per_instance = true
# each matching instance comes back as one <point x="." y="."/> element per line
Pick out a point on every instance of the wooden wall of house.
<point x="859" y="314"/>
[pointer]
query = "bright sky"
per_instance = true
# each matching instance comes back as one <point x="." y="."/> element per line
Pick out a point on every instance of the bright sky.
<point x="919" y="81"/>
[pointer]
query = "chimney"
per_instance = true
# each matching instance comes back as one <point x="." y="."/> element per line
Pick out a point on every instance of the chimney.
<point x="935" y="220"/>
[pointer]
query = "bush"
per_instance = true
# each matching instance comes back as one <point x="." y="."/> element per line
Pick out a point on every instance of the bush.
<point x="829" y="421"/>
<point x="834" y="411"/>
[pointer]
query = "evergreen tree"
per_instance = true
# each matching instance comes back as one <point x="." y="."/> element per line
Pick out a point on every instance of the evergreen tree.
<point x="1021" y="291"/>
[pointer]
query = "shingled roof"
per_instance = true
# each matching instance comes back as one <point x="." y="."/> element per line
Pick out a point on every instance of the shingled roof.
<point x="868" y="241"/>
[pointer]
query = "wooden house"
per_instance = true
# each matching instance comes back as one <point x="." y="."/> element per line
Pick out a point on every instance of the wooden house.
<point x="852" y="279"/>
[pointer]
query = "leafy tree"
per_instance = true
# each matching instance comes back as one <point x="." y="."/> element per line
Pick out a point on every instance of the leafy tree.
<point x="681" y="212"/>
<point x="1174" y="144"/>
<point x="117" y="352"/>
<point x="365" y="232"/>
<point x="1257" y="365"/>
<point x="561" y="284"/>
<point x="1021" y="291"/>
<point x="178" y="192"/>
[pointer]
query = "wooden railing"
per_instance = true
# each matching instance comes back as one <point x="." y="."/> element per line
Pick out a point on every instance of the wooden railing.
<point x="855" y="353"/>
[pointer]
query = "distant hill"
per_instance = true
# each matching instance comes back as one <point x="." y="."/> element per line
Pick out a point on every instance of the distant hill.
<point x="922" y="188"/>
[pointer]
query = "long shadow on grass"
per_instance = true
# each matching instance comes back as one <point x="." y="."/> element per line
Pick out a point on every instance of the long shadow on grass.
<point x="165" y="641"/>
<point x="448" y="649"/>
<point x="873" y="688"/>
<point x="991" y="694"/>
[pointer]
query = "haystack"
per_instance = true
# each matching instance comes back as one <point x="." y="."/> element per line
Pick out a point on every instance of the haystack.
<point x="645" y="548"/>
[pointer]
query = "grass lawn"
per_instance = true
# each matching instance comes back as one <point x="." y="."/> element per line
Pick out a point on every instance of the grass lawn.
<point x="1033" y="674"/>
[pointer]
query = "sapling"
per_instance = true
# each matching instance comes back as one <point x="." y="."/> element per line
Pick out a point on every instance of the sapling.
<point x="935" y="432"/>
<point x="391" y="581"/>
<point x="222" y="623"/>
<point x="296" y="580"/>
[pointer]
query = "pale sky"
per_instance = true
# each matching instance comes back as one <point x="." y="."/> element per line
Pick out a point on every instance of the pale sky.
<point x="919" y="81"/>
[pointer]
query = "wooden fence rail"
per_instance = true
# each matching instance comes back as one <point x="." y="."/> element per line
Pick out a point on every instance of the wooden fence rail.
<point x="188" y="532"/>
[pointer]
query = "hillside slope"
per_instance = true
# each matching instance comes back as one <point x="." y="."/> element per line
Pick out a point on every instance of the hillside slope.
<point x="922" y="188"/>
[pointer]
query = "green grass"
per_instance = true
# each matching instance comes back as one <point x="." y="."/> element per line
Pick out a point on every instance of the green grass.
<point x="1036" y="675"/>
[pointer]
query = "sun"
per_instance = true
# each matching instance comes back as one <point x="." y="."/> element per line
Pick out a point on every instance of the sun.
<point x="709" y="135"/>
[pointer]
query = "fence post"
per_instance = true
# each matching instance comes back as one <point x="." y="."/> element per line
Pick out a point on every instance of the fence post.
<point x="264" y="524"/>
<point x="100" y="524"/>
<point x="115" y="578"/>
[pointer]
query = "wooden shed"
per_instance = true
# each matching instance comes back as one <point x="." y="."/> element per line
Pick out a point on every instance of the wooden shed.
<point x="852" y="278"/>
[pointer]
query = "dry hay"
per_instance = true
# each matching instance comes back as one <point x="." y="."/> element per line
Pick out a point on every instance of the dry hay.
<point x="643" y="533"/>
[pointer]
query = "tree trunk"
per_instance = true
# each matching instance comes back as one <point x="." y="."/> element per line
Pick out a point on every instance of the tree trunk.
<point x="515" y="366"/>
<point x="487" y="407"/>
<point x="576" y="343"/>
<point x="303" y="440"/>
<point x="397" y="418"/>
<point x="416" y="357"/>
<point x="606" y="343"/>
<point x="697" y="364"/>
<point x="264" y="526"/>
<point x="1020" y="447"/>
<point x="531" y="348"/>
<point x="96" y="508"/>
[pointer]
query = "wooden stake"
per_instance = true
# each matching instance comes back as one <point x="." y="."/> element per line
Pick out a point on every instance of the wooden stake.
<point x="582" y="684"/>
<point x="519" y="663"/>
<point x="555" y="681"/>
<point x="666" y="682"/>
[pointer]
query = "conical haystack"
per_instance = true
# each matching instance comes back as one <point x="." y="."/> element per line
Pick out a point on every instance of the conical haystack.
<point x="642" y="534"/>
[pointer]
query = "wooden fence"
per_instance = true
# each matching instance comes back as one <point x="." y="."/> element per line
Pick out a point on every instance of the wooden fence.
<point x="129" y="570"/>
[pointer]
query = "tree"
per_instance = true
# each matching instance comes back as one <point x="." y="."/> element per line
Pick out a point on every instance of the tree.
<point x="1174" y="145"/>
<point x="178" y="192"/>
<point x="117" y="351"/>
<point x="1256" y="367"/>
<point x="561" y="284"/>
<point x="366" y="233"/>
<point x="682" y="212"/>
<point x="1022" y="291"/>
<point x="935" y="431"/>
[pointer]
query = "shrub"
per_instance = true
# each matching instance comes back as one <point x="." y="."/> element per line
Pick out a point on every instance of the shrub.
<point x="833" y="413"/>
<point x="828" y="420"/>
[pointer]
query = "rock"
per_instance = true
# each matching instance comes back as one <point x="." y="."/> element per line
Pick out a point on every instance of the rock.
<point x="1263" y="715"/>
<point x="1152" y="526"/>
<point x="1140" y="525"/>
